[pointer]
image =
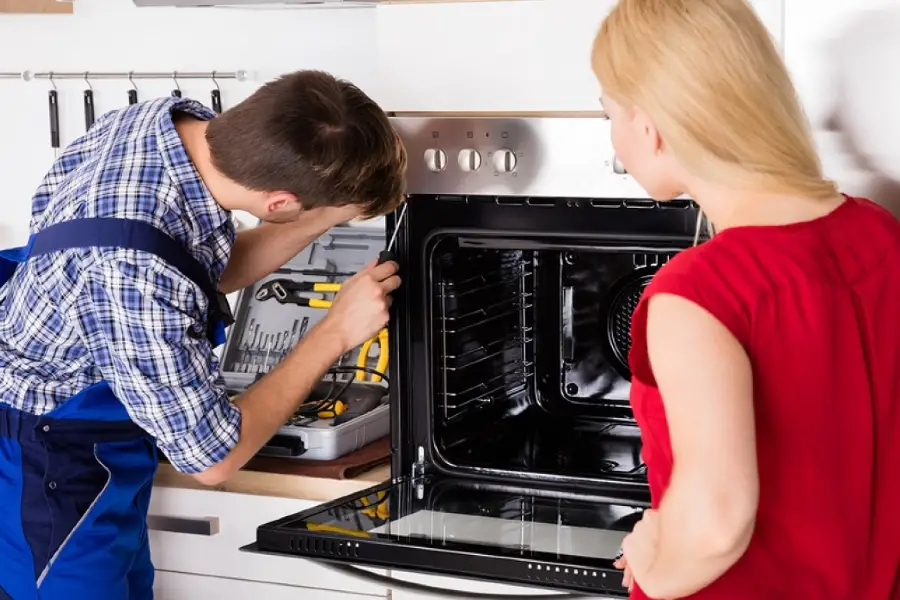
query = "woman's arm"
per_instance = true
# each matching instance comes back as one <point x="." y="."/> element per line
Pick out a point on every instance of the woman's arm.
<point x="707" y="516"/>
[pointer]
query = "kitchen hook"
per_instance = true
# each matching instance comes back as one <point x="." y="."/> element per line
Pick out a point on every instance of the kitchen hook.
<point x="216" y="95"/>
<point x="88" y="103"/>
<point x="53" y="98"/>
<point x="133" y="92"/>
<point x="177" y="91"/>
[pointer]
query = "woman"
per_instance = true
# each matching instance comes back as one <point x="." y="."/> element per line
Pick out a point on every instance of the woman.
<point x="766" y="361"/>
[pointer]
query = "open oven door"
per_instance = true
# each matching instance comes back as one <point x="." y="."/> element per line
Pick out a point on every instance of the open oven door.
<point x="555" y="540"/>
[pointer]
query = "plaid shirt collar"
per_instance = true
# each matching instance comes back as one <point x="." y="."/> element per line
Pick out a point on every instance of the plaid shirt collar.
<point x="204" y="214"/>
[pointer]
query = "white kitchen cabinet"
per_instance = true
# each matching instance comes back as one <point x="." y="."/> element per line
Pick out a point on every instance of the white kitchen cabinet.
<point x="458" y="588"/>
<point x="200" y="532"/>
<point x="184" y="586"/>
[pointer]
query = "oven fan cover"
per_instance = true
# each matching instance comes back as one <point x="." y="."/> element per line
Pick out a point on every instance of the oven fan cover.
<point x="623" y="301"/>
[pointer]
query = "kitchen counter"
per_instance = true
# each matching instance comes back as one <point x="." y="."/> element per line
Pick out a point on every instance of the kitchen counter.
<point x="271" y="482"/>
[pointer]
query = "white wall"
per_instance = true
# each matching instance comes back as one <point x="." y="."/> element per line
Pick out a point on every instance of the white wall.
<point x="843" y="59"/>
<point x="114" y="35"/>
<point x="526" y="55"/>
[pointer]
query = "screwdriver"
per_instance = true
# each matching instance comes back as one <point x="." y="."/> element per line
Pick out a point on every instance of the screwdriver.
<point x="386" y="254"/>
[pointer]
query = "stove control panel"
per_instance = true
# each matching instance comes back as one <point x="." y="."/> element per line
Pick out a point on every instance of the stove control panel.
<point x="470" y="160"/>
<point x="513" y="156"/>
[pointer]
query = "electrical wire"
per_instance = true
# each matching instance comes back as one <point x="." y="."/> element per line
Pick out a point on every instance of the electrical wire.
<point x="308" y="412"/>
<point x="354" y="370"/>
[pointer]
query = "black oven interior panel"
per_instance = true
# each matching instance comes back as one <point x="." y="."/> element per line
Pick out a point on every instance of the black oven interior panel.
<point x="599" y="292"/>
<point x="499" y="409"/>
<point x="512" y="372"/>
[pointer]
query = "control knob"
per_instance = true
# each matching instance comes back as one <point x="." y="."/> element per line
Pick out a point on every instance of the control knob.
<point x="435" y="160"/>
<point x="469" y="160"/>
<point x="504" y="161"/>
<point x="618" y="167"/>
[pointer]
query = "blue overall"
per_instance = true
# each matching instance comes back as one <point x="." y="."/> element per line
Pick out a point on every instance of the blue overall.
<point x="75" y="482"/>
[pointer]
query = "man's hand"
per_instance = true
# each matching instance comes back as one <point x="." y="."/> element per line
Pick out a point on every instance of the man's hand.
<point x="360" y="309"/>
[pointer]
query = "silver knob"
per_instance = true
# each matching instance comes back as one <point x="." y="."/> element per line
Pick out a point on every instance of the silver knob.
<point x="469" y="160"/>
<point x="435" y="160"/>
<point x="618" y="167"/>
<point x="505" y="161"/>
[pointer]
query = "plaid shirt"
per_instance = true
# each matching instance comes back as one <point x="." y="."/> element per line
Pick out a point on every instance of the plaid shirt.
<point x="72" y="318"/>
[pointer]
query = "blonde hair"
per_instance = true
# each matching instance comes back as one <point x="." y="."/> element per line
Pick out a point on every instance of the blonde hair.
<point x="710" y="77"/>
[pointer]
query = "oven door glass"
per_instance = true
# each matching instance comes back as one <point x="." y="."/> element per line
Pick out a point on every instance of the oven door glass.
<point x="458" y="527"/>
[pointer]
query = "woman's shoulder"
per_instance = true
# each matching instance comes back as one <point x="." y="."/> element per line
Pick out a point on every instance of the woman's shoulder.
<point x="716" y="263"/>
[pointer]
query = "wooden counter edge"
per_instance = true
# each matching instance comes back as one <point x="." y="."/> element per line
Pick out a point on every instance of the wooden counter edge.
<point x="35" y="7"/>
<point x="275" y="484"/>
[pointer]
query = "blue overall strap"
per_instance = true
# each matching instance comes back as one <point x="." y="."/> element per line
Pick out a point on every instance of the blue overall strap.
<point x="137" y="235"/>
<point x="10" y="259"/>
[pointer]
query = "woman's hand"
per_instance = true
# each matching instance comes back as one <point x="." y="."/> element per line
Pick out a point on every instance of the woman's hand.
<point x="627" y="578"/>
<point x="639" y="548"/>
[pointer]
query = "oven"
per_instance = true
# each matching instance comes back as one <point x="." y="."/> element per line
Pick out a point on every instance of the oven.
<point x="515" y="455"/>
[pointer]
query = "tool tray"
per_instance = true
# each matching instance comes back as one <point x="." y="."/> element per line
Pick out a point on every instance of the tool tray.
<point x="267" y="326"/>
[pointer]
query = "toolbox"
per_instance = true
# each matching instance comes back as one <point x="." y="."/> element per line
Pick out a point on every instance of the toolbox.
<point x="349" y="408"/>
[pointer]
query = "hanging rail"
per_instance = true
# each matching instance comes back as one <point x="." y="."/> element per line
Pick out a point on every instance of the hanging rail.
<point x="239" y="75"/>
<point x="127" y="75"/>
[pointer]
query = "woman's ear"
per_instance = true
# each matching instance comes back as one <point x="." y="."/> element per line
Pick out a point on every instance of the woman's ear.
<point x="647" y="132"/>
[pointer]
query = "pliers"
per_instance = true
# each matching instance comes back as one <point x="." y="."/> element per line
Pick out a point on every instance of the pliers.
<point x="381" y="367"/>
<point x="287" y="291"/>
<point x="377" y="511"/>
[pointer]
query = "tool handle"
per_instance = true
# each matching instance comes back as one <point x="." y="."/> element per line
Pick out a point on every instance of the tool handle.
<point x="132" y="97"/>
<point x="327" y="288"/>
<point x="88" y="109"/>
<point x="216" y="98"/>
<point x="54" y="118"/>
<point x="384" y="256"/>
<point x="316" y="303"/>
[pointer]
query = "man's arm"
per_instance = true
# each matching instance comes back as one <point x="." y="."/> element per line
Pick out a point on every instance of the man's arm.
<point x="148" y="339"/>
<point x="257" y="252"/>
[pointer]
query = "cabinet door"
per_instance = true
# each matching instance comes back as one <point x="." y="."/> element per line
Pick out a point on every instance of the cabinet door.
<point x="459" y="588"/>
<point x="201" y="532"/>
<point x="183" y="586"/>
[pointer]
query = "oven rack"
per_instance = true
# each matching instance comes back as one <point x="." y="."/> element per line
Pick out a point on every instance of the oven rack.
<point x="484" y="331"/>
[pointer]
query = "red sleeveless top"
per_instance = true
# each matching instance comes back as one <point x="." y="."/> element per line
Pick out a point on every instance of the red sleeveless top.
<point x="816" y="305"/>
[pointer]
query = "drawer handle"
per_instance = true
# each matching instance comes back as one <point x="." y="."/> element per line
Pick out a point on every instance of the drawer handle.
<point x="198" y="526"/>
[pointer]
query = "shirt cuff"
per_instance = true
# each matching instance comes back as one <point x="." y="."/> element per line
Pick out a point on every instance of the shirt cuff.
<point x="214" y="436"/>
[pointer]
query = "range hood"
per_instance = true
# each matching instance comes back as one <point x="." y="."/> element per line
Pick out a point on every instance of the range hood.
<point x="275" y="4"/>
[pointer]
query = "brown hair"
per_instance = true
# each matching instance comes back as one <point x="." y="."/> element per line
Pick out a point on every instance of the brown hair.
<point x="315" y="136"/>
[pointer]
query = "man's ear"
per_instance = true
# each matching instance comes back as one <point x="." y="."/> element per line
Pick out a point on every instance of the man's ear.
<point x="276" y="201"/>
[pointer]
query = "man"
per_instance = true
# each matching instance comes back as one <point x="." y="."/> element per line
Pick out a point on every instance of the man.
<point x="109" y="316"/>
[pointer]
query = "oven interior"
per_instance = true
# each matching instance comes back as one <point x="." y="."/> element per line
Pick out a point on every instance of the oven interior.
<point x="529" y="344"/>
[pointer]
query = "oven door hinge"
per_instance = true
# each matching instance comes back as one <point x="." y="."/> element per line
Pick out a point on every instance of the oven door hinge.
<point x="418" y="473"/>
<point x="418" y="467"/>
